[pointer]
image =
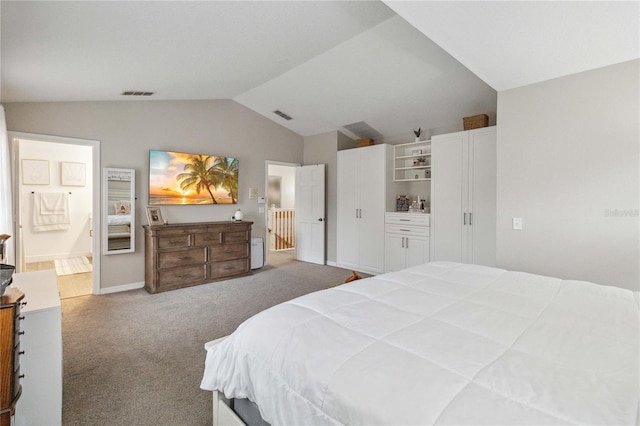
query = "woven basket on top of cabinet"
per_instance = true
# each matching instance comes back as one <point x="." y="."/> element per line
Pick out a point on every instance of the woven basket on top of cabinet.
<point x="476" y="121"/>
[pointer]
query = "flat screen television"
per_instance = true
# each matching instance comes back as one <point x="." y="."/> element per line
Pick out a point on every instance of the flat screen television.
<point x="188" y="179"/>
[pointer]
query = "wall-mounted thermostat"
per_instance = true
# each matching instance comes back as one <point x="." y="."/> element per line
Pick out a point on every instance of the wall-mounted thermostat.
<point x="261" y="200"/>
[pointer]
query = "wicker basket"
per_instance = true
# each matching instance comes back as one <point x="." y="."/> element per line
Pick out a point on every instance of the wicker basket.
<point x="364" y="142"/>
<point x="476" y="121"/>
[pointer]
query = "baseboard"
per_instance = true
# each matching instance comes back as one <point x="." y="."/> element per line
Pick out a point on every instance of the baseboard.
<point x="330" y="263"/>
<point x="119" y="288"/>
<point x="51" y="257"/>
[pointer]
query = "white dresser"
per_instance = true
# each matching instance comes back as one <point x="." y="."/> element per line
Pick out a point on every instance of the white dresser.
<point x="41" y="363"/>
<point x="406" y="240"/>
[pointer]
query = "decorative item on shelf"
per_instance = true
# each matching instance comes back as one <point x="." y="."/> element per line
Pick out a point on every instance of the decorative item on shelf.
<point x="476" y="121"/>
<point x="238" y="215"/>
<point x="402" y="203"/>
<point x="417" y="133"/>
<point x="364" y="142"/>
<point x="420" y="161"/>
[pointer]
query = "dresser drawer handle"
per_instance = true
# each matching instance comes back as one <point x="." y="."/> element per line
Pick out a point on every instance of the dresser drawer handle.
<point x="21" y="317"/>
<point x="406" y="230"/>
<point x="23" y="303"/>
<point x="405" y="220"/>
<point x="184" y="258"/>
<point x="21" y="353"/>
<point x="21" y="376"/>
<point x="20" y="333"/>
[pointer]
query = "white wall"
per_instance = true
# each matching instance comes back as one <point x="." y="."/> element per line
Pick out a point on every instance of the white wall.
<point x="568" y="165"/>
<point x="128" y="130"/>
<point x="287" y="184"/>
<point x="72" y="242"/>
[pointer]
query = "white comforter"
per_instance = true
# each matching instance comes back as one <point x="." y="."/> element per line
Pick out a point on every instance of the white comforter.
<point x="442" y="343"/>
<point x="119" y="219"/>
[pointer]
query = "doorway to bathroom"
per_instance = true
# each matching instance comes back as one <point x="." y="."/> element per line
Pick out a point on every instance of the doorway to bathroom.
<point x="55" y="196"/>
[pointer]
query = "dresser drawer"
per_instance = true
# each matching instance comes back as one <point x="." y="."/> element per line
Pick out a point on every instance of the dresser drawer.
<point x="228" y="251"/>
<point x="170" y="230"/>
<point x="174" y="241"/>
<point x="235" y="236"/>
<point x="173" y="258"/>
<point x="178" y="277"/>
<point x="230" y="267"/>
<point x="207" y="238"/>
<point x="414" y="219"/>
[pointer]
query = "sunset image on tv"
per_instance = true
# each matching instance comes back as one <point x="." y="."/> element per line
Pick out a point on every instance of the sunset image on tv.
<point x="181" y="178"/>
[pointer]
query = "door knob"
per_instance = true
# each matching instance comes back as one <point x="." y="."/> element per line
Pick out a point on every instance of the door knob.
<point x="320" y="220"/>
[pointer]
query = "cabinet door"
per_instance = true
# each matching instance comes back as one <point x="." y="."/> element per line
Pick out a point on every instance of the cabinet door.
<point x="394" y="258"/>
<point x="448" y="233"/>
<point x="347" y="238"/>
<point x="417" y="249"/>
<point x="482" y="197"/>
<point x="372" y="204"/>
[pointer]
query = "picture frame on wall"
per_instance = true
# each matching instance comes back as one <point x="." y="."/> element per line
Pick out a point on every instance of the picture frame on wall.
<point x="73" y="174"/>
<point x="35" y="172"/>
<point x="154" y="215"/>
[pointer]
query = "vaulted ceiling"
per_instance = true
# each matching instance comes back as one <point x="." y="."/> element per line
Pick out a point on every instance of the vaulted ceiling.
<point x="393" y="65"/>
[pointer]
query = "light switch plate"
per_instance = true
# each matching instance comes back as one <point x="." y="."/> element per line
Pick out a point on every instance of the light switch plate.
<point x="517" y="223"/>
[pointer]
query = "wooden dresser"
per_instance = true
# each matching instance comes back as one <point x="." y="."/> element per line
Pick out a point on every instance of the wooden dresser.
<point x="9" y="353"/>
<point x="187" y="254"/>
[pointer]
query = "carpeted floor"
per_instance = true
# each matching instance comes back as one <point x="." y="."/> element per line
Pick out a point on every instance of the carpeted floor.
<point x="132" y="358"/>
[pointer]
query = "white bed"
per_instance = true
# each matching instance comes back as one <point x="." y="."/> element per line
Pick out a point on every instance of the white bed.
<point x="441" y="343"/>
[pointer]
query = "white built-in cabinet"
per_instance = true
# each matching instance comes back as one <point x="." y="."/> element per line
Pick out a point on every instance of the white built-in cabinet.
<point x="463" y="196"/>
<point x="363" y="175"/>
<point x="406" y="240"/>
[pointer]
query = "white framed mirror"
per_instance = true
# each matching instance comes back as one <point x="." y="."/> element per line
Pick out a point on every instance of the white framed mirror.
<point x="118" y="222"/>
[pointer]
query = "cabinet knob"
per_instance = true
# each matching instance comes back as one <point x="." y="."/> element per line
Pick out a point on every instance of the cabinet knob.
<point x="20" y="333"/>
<point x="21" y="376"/>
<point x="23" y="303"/>
<point x="21" y="353"/>
<point x="21" y="317"/>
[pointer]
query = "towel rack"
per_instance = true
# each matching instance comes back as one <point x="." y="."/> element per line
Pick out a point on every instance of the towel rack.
<point x="33" y="192"/>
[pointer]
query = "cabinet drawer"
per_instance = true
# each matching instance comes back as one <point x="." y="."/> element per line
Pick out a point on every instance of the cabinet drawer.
<point x="229" y="251"/>
<point x="173" y="241"/>
<point x="422" y="231"/>
<point x="178" y="277"/>
<point x="415" y="219"/>
<point x="207" y="238"/>
<point x="173" y="258"/>
<point x="230" y="267"/>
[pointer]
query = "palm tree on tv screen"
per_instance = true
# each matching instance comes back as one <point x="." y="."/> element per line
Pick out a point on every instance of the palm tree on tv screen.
<point x="198" y="176"/>
<point x="226" y="171"/>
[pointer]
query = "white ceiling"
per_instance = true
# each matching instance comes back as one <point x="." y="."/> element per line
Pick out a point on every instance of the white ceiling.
<point x="327" y="64"/>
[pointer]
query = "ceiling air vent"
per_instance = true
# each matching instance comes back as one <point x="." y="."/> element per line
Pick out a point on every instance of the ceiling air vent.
<point x="282" y="114"/>
<point x="137" y="93"/>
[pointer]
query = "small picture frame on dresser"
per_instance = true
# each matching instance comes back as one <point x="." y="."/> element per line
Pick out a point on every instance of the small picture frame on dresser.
<point x="154" y="215"/>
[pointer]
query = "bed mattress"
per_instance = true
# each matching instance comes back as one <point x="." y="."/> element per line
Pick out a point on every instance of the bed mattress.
<point x="441" y="343"/>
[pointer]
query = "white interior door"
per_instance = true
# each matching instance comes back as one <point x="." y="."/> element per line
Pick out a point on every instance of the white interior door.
<point x="310" y="214"/>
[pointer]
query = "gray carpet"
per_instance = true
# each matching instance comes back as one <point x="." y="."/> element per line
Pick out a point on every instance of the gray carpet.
<point x="132" y="358"/>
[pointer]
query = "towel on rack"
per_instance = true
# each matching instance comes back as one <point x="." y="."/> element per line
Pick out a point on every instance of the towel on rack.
<point x="53" y="203"/>
<point x="50" y="212"/>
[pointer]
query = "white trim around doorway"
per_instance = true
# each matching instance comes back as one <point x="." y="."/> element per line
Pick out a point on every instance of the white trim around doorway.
<point x="14" y="138"/>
